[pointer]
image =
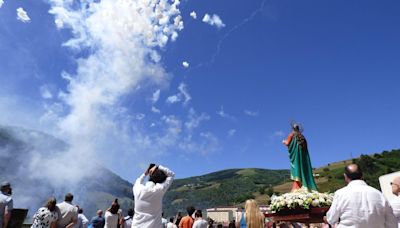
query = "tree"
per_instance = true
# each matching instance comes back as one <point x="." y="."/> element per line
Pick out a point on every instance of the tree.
<point x="366" y="164"/>
<point x="261" y="190"/>
<point x="270" y="191"/>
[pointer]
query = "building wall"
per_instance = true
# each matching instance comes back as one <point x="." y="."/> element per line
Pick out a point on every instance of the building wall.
<point x="220" y="216"/>
<point x="227" y="214"/>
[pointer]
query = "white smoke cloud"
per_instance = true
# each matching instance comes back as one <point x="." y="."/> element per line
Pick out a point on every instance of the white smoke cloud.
<point x="231" y="132"/>
<point x="1" y="3"/>
<point x="59" y="23"/>
<point x="22" y="15"/>
<point x="185" y="64"/>
<point x="193" y="14"/>
<point x="183" y="95"/>
<point x="19" y="111"/>
<point x="251" y="113"/>
<point x="123" y="36"/>
<point x="208" y="144"/>
<point x="213" y="20"/>
<point x="194" y="120"/>
<point x="223" y="114"/>
<point x="140" y="116"/>
<point x="183" y="90"/>
<point x="155" y="110"/>
<point x="174" y="99"/>
<point x="45" y="92"/>
<point x="156" y="96"/>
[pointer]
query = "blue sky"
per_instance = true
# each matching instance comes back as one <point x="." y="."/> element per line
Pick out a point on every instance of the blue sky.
<point x="331" y="65"/>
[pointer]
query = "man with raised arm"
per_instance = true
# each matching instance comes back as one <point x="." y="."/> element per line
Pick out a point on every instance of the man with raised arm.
<point x="149" y="195"/>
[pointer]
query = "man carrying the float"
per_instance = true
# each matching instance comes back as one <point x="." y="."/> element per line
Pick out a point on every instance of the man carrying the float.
<point x="300" y="164"/>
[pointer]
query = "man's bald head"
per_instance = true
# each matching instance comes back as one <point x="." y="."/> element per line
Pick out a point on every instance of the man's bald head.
<point x="353" y="172"/>
<point x="396" y="180"/>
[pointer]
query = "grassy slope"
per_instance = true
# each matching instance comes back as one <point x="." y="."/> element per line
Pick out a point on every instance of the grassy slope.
<point x="227" y="187"/>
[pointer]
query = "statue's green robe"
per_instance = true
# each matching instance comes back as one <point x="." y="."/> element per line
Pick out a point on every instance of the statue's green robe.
<point x="300" y="165"/>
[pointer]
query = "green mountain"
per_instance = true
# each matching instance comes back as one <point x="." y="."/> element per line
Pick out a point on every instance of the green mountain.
<point x="227" y="187"/>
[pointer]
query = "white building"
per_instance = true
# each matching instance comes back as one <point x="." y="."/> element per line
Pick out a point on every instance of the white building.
<point x="225" y="214"/>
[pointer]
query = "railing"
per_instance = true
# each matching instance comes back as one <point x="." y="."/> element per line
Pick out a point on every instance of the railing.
<point x="18" y="216"/>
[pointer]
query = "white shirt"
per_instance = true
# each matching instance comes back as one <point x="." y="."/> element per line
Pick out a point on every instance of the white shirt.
<point x="200" y="223"/>
<point x="127" y="221"/>
<point x="360" y="206"/>
<point x="82" y="221"/>
<point x="164" y="222"/>
<point x="67" y="214"/>
<point x="6" y="204"/>
<point x="111" y="220"/>
<point x="148" y="200"/>
<point x="396" y="208"/>
<point x="171" y="225"/>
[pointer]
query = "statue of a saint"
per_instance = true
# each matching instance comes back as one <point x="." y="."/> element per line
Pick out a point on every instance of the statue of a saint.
<point x="300" y="164"/>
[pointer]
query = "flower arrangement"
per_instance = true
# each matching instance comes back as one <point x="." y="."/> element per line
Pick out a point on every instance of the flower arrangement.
<point x="301" y="199"/>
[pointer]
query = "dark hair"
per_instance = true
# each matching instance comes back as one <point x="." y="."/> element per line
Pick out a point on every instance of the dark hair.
<point x="198" y="214"/>
<point x="5" y="186"/>
<point x="68" y="197"/>
<point x="171" y="219"/>
<point x="114" y="207"/>
<point x="353" y="174"/>
<point x="131" y="212"/>
<point x="158" y="176"/>
<point x="190" y="210"/>
<point x="80" y="211"/>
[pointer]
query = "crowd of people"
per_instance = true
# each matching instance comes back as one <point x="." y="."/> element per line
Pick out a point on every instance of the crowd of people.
<point x="356" y="205"/>
<point x="68" y="215"/>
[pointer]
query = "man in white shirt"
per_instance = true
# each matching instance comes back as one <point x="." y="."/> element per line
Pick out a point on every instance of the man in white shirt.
<point x="82" y="220"/>
<point x="128" y="219"/>
<point x="199" y="221"/>
<point x="149" y="196"/>
<point x="396" y="202"/>
<point x="67" y="212"/>
<point x="358" y="205"/>
<point x="171" y="223"/>
<point x="6" y="204"/>
<point x="164" y="221"/>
